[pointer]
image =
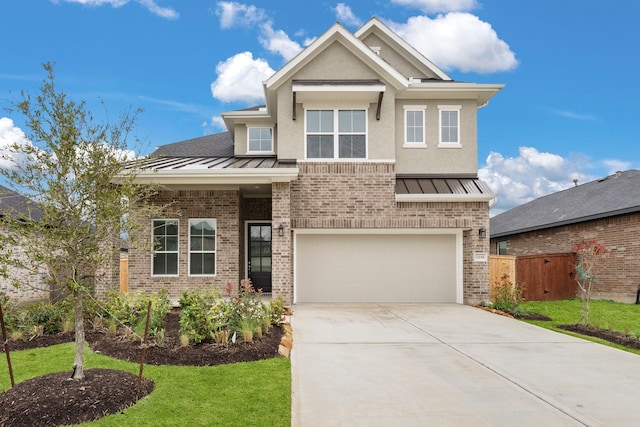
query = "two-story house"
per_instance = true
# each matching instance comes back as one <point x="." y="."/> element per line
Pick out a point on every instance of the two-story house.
<point x="356" y="182"/>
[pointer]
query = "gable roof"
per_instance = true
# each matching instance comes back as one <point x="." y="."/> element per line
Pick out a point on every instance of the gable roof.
<point x="613" y="195"/>
<point x="18" y="205"/>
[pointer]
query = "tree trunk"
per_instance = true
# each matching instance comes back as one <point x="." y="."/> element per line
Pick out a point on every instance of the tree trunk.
<point x="78" y="313"/>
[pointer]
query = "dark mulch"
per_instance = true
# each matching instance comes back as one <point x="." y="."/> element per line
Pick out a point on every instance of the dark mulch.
<point x="54" y="399"/>
<point x="605" y="334"/>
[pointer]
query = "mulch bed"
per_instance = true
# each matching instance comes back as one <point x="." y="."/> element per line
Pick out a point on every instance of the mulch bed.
<point x="55" y="399"/>
<point x="605" y="334"/>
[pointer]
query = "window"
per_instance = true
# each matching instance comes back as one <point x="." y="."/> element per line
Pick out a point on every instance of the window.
<point x="414" y="130"/>
<point x="202" y="247"/>
<point x="260" y="139"/>
<point x="165" y="247"/>
<point x="336" y="134"/>
<point x="449" y="125"/>
<point x="502" y="247"/>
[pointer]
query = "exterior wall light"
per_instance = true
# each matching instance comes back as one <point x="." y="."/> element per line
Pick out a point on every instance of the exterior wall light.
<point x="482" y="233"/>
<point x="281" y="230"/>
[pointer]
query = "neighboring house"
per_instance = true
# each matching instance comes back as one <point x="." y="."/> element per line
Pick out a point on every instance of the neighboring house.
<point x="356" y="182"/>
<point x="32" y="287"/>
<point x="607" y="210"/>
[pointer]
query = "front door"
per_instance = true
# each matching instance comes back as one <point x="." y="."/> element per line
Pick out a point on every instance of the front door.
<point x="259" y="263"/>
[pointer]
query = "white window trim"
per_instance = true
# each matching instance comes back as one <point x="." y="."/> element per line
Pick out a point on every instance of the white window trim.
<point x="441" y="109"/>
<point x="153" y="251"/>
<point x="336" y="134"/>
<point x="272" y="151"/>
<point x="215" y="252"/>
<point x="419" y="108"/>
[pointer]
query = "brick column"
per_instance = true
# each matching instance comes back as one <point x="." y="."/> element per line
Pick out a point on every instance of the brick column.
<point x="281" y="246"/>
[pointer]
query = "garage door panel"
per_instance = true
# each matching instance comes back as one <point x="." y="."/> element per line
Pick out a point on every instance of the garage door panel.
<point x="375" y="268"/>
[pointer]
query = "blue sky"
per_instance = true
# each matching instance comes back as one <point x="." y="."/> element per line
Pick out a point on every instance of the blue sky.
<point x="569" y="109"/>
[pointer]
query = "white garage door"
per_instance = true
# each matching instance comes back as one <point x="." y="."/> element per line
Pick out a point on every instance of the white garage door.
<point x="375" y="268"/>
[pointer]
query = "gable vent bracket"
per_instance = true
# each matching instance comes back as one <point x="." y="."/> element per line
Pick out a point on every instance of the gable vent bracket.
<point x="294" y="106"/>
<point x="380" y="95"/>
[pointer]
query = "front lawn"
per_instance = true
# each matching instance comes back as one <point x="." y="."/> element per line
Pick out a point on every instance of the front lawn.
<point x="615" y="316"/>
<point x="240" y="394"/>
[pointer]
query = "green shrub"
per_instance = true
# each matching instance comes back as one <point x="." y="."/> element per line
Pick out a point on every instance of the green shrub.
<point x="276" y="310"/>
<point x="505" y="294"/>
<point x="49" y="316"/>
<point x="12" y="318"/>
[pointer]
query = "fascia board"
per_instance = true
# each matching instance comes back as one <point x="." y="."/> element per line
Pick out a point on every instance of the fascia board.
<point x="386" y="31"/>
<point x="207" y="176"/>
<point x="453" y="90"/>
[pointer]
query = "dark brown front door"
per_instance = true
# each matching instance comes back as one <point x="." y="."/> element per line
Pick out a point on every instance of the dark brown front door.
<point x="260" y="256"/>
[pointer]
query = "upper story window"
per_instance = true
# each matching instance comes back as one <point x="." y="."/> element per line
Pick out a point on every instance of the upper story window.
<point x="202" y="247"/>
<point x="449" y="126"/>
<point x="332" y="134"/>
<point x="260" y="140"/>
<point x="414" y="125"/>
<point x="165" y="247"/>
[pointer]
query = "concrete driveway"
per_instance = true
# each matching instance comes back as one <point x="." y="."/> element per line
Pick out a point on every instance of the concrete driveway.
<point x="452" y="365"/>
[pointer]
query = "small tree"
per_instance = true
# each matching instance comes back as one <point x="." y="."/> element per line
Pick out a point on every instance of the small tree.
<point x="68" y="167"/>
<point x="590" y="255"/>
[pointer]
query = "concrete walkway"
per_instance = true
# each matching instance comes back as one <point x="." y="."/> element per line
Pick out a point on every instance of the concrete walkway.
<point x="452" y="365"/>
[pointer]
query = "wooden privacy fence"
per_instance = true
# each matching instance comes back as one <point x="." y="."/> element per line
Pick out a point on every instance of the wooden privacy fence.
<point x="124" y="274"/>
<point x="543" y="277"/>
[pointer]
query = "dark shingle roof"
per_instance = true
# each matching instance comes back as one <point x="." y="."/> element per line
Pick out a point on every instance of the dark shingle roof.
<point x="610" y="196"/>
<point x="18" y="205"/>
<point x="217" y="145"/>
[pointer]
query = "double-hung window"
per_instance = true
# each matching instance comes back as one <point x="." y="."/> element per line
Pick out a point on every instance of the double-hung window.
<point x="260" y="140"/>
<point x="165" y="247"/>
<point x="202" y="247"/>
<point x="414" y="122"/>
<point x="332" y="134"/>
<point x="449" y="125"/>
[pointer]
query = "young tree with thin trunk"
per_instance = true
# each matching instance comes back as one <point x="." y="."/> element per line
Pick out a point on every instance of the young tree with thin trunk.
<point x="67" y="167"/>
<point x="590" y="255"/>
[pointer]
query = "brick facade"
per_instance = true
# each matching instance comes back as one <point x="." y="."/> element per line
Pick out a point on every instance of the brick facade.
<point x="619" y="277"/>
<point x="32" y="287"/>
<point x="224" y="206"/>
<point x="362" y="195"/>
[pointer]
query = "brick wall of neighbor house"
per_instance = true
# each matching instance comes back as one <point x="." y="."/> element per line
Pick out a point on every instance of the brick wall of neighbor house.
<point x="362" y="195"/>
<point x="31" y="288"/>
<point x="620" y="274"/>
<point x="224" y="206"/>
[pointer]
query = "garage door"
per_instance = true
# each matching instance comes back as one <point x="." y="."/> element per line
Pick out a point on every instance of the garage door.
<point x="375" y="268"/>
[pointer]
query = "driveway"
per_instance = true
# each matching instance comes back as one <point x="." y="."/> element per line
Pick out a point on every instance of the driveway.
<point x="451" y="365"/>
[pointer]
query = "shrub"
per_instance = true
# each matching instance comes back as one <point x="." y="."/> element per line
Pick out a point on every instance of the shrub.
<point x="247" y="306"/>
<point x="50" y="317"/>
<point x="129" y="310"/>
<point x="276" y="311"/>
<point x="10" y="312"/>
<point x="505" y="294"/>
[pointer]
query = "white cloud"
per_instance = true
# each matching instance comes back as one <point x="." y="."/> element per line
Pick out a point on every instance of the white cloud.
<point x="218" y="123"/>
<point x="234" y="14"/>
<point x="458" y="41"/>
<point x="572" y="114"/>
<point x="277" y="41"/>
<point x="614" y="165"/>
<point x="10" y="137"/>
<point x="346" y="15"/>
<point x="151" y="5"/>
<point x="435" y="6"/>
<point x="240" y="78"/>
<point x="533" y="174"/>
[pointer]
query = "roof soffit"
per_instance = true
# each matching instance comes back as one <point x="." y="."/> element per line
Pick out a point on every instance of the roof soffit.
<point x="375" y="26"/>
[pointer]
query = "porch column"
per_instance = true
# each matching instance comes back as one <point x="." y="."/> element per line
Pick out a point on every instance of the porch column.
<point x="281" y="246"/>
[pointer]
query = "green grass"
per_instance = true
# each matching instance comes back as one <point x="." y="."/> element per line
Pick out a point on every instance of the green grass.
<point x="241" y="394"/>
<point x="611" y="315"/>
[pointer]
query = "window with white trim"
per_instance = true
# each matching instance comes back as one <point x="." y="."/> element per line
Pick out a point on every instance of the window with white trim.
<point x="338" y="134"/>
<point x="165" y="247"/>
<point x="449" y="125"/>
<point x="202" y="247"/>
<point x="260" y="140"/>
<point x="414" y="125"/>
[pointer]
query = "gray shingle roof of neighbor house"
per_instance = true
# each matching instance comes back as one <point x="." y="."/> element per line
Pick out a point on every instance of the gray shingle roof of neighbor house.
<point x="18" y="204"/>
<point x="217" y="145"/>
<point x="613" y="195"/>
